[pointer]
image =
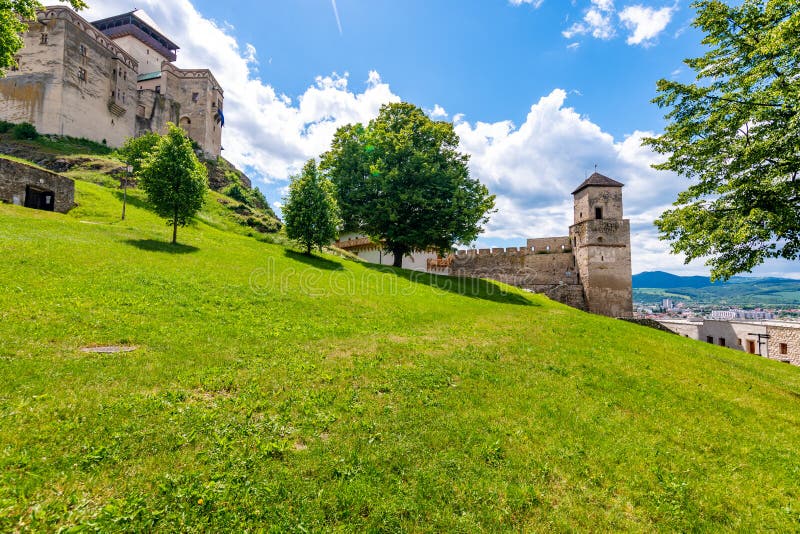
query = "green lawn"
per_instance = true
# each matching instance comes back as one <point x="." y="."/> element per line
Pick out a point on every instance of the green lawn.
<point x="274" y="392"/>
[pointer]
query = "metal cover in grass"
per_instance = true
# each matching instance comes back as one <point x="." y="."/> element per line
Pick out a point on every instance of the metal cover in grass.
<point x="109" y="349"/>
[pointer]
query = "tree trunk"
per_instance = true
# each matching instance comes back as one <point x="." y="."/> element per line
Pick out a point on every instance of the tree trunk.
<point x="175" y="228"/>
<point x="398" y="254"/>
<point x="308" y="250"/>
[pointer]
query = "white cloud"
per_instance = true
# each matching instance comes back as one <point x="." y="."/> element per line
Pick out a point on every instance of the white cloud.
<point x="534" y="3"/>
<point x="645" y="23"/>
<point x="438" y="112"/>
<point x="266" y="131"/>
<point x="597" y="21"/>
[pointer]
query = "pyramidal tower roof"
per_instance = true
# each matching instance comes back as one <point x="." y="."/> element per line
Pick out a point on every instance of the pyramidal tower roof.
<point x="597" y="179"/>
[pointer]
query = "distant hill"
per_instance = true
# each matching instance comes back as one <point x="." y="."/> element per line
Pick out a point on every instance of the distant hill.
<point x="653" y="286"/>
<point x="663" y="280"/>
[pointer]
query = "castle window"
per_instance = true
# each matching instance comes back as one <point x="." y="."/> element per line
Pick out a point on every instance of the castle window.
<point x="125" y="75"/>
<point x="82" y="74"/>
<point x="710" y="339"/>
<point x="722" y="342"/>
<point x="82" y="50"/>
<point x="158" y="89"/>
<point x="598" y="213"/>
<point x="784" y="348"/>
<point x="195" y="96"/>
<point x="43" y="39"/>
<point x="739" y="341"/>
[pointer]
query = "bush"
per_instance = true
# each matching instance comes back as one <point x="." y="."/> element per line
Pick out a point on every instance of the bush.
<point x="6" y="126"/>
<point x="24" y="130"/>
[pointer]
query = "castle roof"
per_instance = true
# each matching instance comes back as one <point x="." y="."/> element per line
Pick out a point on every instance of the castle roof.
<point x="137" y="24"/>
<point x="597" y="179"/>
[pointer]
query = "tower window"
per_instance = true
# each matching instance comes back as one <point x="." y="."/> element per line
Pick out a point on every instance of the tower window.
<point x="82" y="50"/>
<point x="195" y="96"/>
<point x="598" y="213"/>
<point x="158" y="89"/>
<point x="43" y="39"/>
<point x="82" y="74"/>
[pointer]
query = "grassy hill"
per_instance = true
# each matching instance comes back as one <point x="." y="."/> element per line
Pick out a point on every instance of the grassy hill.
<point x="271" y="391"/>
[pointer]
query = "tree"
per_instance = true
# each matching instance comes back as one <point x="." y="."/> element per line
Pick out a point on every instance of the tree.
<point x="402" y="181"/>
<point x="136" y="150"/>
<point x="174" y="179"/>
<point x="311" y="214"/>
<point x="736" y="134"/>
<point x="13" y="13"/>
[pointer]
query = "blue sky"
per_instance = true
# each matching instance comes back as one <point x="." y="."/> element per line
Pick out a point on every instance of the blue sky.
<point x="539" y="91"/>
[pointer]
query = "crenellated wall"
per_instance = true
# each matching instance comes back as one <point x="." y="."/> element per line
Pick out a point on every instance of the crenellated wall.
<point x="546" y="266"/>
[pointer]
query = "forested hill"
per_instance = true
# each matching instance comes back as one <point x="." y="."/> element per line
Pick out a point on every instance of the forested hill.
<point x="738" y="291"/>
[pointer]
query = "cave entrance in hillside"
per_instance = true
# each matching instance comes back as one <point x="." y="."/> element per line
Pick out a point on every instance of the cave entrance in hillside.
<point x="40" y="199"/>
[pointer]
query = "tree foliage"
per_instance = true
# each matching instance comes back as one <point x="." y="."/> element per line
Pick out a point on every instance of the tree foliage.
<point x="736" y="133"/>
<point x="13" y="13"/>
<point x="174" y="179"/>
<point x="136" y="150"/>
<point x="402" y="181"/>
<point x="311" y="214"/>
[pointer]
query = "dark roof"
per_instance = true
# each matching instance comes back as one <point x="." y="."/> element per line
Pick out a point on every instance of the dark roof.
<point x="597" y="179"/>
<point x="131" y="24"/>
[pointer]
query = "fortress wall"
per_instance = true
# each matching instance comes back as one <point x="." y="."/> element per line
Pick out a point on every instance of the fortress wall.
<point x="549" y="244"/>
<point x="518" y="267"/>
<point x="27" y="93"/>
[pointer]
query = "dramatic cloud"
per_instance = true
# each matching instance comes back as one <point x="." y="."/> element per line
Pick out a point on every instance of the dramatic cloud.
<point x="645" y="23"/>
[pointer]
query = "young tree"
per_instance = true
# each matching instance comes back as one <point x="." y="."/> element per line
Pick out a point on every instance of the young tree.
<point x="136" y="150"/>
<point x="174" y="179"/>
<point x="403" y="182"/>
<point x="736" y="134"/>
<point x="310" y="213"/>
<point x="13" y="13"/>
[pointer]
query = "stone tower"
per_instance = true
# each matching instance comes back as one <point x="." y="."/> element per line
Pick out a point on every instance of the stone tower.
<point x="601" y="243"/>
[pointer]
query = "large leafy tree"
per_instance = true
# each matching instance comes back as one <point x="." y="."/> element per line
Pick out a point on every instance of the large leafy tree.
<point x="311" y="214"/>
<point x="736" y="133"/>
<point x="174" y="179"/>
<point x="12" y="15"/>
<point x="402" y="181"/>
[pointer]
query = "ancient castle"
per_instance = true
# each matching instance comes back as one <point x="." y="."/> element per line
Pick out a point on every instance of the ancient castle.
<point x="108" y="81"/>
<point x="589" y="269"/>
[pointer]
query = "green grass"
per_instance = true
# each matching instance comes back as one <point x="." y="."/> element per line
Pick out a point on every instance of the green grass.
<point x="275" y="392"/>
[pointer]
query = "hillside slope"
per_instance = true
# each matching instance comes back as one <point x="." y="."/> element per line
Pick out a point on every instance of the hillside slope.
<point x="269" y="389"/>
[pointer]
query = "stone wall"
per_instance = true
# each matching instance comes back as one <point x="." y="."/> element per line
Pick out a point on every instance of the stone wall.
<point x="790" y="337"/>
<point x="72" y="81"/>
<point x="16" y="177"/>
<point x="603" y="256"/>
<point x="535" y="267"/>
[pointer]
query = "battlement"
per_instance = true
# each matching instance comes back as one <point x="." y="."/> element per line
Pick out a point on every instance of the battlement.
<point x="562" y="246"/>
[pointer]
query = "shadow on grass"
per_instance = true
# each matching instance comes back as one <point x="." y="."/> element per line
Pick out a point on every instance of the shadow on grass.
<point x="314" y="261"/>
<point x="151" y="245"/>
<point x="466" y="287"/>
